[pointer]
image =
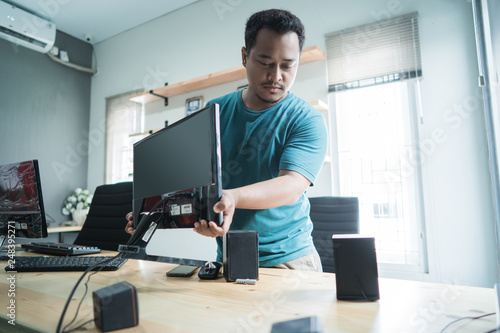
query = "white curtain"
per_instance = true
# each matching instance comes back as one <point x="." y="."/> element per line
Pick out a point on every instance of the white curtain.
<point x="124" y="125"/>
<point x="487" y="28"/>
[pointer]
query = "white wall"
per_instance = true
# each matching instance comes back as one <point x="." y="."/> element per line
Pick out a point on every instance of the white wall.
<point x="201" y="39"/>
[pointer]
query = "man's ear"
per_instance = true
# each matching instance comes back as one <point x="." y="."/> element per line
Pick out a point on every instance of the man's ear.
<point x="244" y="56"/>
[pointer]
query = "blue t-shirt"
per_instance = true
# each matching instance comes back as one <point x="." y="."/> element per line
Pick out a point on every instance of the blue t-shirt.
<point x="256" y="145"/>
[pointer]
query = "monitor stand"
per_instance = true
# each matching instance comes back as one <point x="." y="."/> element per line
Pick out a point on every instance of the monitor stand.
<point x="136" y="246"/>
<point x="3" y="251"/>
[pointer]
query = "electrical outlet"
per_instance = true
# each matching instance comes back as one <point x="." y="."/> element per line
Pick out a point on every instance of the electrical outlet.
<point x="64" y="56"/>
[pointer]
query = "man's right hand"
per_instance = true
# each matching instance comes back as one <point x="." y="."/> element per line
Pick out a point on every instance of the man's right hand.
<point x="226" y="206"/>
<point x="129" y="228"/>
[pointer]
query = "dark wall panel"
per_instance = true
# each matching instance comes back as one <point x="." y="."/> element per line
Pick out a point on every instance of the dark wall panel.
<point x="44" y="115"/>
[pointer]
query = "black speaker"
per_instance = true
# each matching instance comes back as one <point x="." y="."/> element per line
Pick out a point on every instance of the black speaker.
<point x="356" y="273"/>
<point x="116" y="307"/>
<point x="241" y="255"/>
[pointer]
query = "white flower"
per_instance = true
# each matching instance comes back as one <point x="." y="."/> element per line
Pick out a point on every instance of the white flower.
<point x="79" y="199"/>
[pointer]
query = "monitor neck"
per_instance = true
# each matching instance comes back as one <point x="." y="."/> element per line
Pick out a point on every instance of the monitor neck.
<point x="3" y="238"/>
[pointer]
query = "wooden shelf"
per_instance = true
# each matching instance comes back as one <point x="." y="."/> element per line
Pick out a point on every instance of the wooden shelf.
<point x="309" y="54"/>
<point x="319" y="105"/>
<point x="145" y="133"/>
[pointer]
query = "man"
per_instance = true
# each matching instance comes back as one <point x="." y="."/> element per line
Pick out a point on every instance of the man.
<point x="273" y="146"/>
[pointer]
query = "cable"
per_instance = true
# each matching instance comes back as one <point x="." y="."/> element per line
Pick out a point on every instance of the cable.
<point x="50" y="218"/>
<point x="142" y="223"/>
<point x="61" y="319"/>
<point x="95" y="57"/>
<point x="79" y="326"/>
<point x="472" y="318"/>
<point x="58" y="330"/>
<point x="80" y="304"/>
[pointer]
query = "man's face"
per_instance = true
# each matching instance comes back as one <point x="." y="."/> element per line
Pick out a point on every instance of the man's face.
<point x="271" y="68"/>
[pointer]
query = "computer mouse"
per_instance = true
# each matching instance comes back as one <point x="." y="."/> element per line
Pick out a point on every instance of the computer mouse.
<point x="210" y="271"/>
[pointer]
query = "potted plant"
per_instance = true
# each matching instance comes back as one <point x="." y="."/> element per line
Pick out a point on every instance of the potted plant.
<point x="77" y="205"/>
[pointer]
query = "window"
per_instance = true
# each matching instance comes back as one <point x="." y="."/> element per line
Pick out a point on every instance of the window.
<point x="373" y="79"/>
<point x="124" y="127"/>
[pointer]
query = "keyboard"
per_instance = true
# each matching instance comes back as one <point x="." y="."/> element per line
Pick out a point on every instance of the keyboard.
<point x="61" y="264"/>
<point x="60" y="248"/>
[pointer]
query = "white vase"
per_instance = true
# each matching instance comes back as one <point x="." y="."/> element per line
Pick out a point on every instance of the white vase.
<point x="80" y="215"/>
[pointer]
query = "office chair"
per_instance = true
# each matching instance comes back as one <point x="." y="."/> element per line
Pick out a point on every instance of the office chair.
<point x="332" y="215"/>
<point x="105" y="223"/>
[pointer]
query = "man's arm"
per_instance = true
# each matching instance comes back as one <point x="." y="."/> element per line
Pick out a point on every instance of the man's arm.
<point x="280" y="191"/>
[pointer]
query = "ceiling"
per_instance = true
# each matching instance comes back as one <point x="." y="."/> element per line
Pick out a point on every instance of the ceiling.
<point x="98" y="20"/>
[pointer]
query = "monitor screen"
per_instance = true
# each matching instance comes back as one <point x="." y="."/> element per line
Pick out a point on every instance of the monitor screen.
<point x="21" y="204"/>
<point x="177" y="172"/>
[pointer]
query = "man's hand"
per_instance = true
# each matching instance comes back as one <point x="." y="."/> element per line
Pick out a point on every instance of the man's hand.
<point x="226" y="205"/>
<point x="282" y="190"/>
<point x="129" y="228"/>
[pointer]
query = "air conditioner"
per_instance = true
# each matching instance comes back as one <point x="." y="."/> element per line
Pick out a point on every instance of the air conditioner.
<point x="23" y="28"/>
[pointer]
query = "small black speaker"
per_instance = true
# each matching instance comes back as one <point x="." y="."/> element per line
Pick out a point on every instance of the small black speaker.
<point x="116" y="307"/>
<point x="241" y="255"/>
<point x="356" y="273"/>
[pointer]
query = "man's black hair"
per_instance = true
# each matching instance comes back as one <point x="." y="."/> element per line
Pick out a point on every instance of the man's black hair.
<point x="277" y="20"/>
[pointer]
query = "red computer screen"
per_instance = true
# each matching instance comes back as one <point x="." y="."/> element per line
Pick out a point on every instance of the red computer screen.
<point x="21" y="204"/>
<point x="18" y="189"/>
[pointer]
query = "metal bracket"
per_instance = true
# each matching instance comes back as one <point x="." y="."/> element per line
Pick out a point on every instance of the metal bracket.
<point x="129" y="248"/>
<point x="481" y="81"/>
<point x="161" y="96"/>
<point x="164" y="97"/>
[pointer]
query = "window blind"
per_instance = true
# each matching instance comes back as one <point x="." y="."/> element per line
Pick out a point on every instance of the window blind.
<point x="374" y="53"/>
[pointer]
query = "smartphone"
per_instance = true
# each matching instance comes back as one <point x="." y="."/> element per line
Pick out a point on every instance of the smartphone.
<point x="182" y="270"/>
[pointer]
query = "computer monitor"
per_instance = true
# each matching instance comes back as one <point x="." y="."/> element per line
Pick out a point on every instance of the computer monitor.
<point x="177" y="176"/>
<point x="21" y="204"/>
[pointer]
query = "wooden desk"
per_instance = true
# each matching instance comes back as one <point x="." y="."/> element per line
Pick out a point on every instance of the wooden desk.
<point x="71" y="228"/>
<point x="193" y="305"/>
<point x="64" y="229"/>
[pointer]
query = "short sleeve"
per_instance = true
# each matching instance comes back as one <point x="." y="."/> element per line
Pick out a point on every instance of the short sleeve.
<point x="305" y="147"/>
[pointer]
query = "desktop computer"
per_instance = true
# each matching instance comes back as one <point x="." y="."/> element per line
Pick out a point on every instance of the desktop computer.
<point x="22" y="212"/>
<point x="179" y="166"/>
<point x="176" y="182"/>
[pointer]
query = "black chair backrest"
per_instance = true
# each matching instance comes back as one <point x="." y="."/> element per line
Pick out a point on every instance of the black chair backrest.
<point x="105" y="223"/>
<point x="332" y="215"/>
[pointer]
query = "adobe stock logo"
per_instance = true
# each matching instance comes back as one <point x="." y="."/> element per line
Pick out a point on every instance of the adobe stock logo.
<point x="154" y="78"/>
<point x="262" y="311"/>
<point x="75" y="154"/>
<point x="435" y="308"/>
<point x="224" y="6"/>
